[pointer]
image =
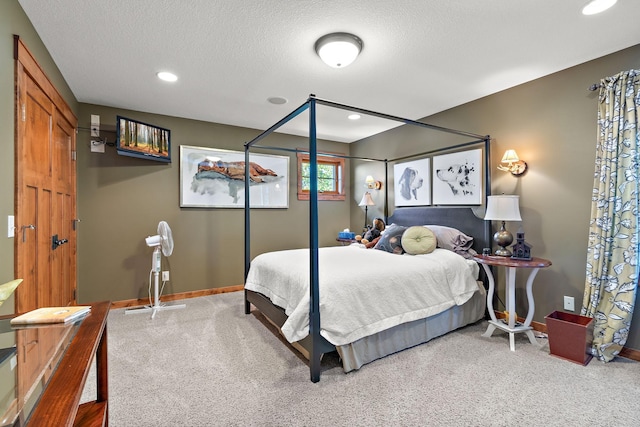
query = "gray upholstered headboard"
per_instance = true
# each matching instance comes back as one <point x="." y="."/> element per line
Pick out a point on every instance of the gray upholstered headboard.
<point x="461" y="218"/>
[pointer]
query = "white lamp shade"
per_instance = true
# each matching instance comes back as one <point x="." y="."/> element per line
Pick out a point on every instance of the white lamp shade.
<point x="510" y="156"/>
<point x="366" y="200"/>
<point x="503" y="208"/>
<point x="338" y="50"/>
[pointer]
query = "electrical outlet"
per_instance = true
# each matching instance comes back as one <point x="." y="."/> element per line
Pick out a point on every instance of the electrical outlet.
<point x="165" y="276"/>
<point x="569" y="303"/>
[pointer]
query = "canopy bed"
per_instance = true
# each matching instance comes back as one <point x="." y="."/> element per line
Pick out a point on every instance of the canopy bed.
<point x="426" y="295"/>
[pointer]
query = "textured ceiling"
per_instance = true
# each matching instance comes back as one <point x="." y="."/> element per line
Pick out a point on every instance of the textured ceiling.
<point x="420" y="56"/>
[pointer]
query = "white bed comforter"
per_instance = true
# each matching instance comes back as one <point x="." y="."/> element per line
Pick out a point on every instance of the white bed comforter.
<point x="362" y="291"/>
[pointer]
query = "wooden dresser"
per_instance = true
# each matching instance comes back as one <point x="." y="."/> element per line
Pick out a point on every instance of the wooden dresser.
<point x="43" y="371"/>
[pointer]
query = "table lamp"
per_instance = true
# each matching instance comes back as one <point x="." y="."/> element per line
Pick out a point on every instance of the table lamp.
<point x="366" y="202"/>
<point x="503" y="208"/>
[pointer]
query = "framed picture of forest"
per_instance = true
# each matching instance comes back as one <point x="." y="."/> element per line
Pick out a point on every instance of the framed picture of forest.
<point x="138" y="139"/>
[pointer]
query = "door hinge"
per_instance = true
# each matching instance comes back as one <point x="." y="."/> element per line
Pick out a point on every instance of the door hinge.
<point x="24" y="112"/>
<point x="74" y="294"/>
<point x="73" y="155"/>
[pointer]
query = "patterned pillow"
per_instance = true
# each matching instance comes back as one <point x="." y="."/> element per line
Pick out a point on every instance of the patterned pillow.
<point x="391" y="240"/>
<point x="418" y="240"/>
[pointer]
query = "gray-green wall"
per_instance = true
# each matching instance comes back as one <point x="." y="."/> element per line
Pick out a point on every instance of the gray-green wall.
<point x="14" y="21"/>
<point x="122" y="199"/>
<point x="551" y="123"/>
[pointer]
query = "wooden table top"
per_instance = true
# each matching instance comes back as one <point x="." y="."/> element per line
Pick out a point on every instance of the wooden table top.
<point x="506" y="261"/>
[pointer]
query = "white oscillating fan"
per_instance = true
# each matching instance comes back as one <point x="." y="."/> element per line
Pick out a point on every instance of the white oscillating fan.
<point x="162" y="244"/>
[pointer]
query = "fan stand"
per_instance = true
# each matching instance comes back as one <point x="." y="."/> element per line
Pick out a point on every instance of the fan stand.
<point x="157" y="306"/>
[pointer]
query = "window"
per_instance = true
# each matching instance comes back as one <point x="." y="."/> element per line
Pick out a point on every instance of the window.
<point x="330" y="177"/>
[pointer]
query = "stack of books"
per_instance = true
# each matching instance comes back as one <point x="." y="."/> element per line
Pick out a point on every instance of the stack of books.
<point x="47" y="315"/>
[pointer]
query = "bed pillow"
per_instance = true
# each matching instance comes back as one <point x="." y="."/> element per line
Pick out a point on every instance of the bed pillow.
<point x="418" y="240"/>
<point x="453" y="239"/>
<point x="391" y="239"/>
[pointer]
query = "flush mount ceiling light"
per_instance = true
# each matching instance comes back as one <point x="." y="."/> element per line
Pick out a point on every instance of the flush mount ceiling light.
<point x="354" y="116"/>
<point x="338" y="50"/>
<point x="167" y="76"/>
<point x="597" y="6"/>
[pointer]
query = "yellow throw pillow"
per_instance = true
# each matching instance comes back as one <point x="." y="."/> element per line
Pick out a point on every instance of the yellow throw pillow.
<point x="418" y="240"/>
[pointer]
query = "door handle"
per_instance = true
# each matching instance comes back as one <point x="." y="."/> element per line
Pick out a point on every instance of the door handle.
<point x="24" y="228"/>
<point x="55" y="242"/>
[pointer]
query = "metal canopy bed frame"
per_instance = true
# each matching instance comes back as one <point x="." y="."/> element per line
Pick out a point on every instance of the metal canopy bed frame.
<point x="314" y="344"/>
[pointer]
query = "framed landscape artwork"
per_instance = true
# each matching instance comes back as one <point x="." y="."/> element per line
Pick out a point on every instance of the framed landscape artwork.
<point x="142" y="140"/>
<point x="214" y="178"/>
<point x="457" y="178"/>
<point x="411" y="183"/>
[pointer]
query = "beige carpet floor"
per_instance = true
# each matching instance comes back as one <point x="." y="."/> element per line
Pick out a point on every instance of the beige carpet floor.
<point x="211" y="365"/>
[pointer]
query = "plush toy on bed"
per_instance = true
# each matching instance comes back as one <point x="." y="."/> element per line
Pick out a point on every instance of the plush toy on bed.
<point x="373" y="232"/>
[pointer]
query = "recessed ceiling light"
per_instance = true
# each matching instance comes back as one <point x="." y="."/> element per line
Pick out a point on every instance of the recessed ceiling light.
<point x="354" y="116"/>
<point x="597" y="6"/>
<point x="277" y="100"/>
<point x="167" y="76"/>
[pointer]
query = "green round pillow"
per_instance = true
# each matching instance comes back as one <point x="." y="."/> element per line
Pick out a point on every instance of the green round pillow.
<point x="418" y="240"/>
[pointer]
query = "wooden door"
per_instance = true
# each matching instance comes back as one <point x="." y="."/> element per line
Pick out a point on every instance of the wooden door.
<point x="63" y="266"/>
<point x="45" y="189"/>
<point x="45" y="206"/>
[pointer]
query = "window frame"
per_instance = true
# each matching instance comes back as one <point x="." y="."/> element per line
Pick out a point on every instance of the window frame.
<point x="339" y="177"/>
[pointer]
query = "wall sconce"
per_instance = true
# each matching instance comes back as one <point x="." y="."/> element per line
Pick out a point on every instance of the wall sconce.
<point x="514" y="164"/>
<point x="372" y="184"/>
